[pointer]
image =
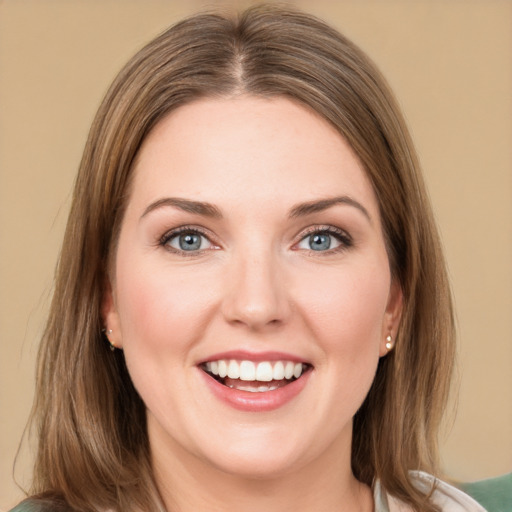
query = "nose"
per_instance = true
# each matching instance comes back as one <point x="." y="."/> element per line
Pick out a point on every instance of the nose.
<point x="256" y="293"/>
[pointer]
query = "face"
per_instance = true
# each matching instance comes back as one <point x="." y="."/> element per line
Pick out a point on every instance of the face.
<point x="252" y="293"/>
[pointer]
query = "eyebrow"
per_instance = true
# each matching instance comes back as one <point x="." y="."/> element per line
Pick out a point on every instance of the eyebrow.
<point x="310" y="207"/>
<point x="187" y="205"/>
<point x="210" y="210"/>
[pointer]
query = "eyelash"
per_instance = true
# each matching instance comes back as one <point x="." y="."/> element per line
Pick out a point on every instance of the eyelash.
<point x="344" y="239"/>
<point x="193" y="230"/>
<point x="340" y="235"/>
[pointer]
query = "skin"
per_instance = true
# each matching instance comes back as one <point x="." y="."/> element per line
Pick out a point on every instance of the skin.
<point x="255" y="285"/>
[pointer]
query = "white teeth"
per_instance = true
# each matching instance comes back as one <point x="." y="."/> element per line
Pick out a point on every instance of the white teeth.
<point x="262" y="389"/>
<point x="278" y="373"/>
<point x="223" y="368"/>
<point x="288" y="370"/>
<point x="233" y="370"/>
<point x="264" y="371"/>
<point x="247" y="370"/>
<point x="259" y="389"/>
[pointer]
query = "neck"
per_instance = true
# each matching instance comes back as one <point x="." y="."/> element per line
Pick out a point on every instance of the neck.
<point x="189" y="484"/>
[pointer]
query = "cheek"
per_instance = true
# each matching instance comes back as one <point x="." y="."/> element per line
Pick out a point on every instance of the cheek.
<point x="158" y="307"/>
<point x="346" y="308"/>
<point x="163" y="313"/>
<point x="345" y="315"/>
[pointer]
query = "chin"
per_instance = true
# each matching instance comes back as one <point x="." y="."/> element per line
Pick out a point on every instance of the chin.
<point x="258" y="466"/>
<point x="262" y="453"/>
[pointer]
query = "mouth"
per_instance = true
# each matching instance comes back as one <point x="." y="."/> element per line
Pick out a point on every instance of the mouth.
<point x="255" y="377"/>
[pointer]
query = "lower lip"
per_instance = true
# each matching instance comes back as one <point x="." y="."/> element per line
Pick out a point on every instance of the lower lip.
<point x="259" y="401"/>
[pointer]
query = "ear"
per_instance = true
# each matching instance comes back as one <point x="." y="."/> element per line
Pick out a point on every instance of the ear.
<point x="110" y="316"/>
<point x="392" y="316"/>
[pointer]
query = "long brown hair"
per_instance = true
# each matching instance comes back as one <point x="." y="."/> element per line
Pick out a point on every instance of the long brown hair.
<point x="93" y="448"/>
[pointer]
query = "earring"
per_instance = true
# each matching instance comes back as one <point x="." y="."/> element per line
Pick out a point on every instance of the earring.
<point x="107" y="335"/>
<point x="389" y="342"/>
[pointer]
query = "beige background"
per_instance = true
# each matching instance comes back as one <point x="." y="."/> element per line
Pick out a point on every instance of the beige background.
<point x="450" y="65"/>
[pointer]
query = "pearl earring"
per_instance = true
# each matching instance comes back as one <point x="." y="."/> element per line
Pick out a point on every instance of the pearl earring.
<point x="108" y="333"/>
<point x="389" y="342"/>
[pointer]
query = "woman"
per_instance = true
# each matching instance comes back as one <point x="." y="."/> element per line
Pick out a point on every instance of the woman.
<point x="251" y="236"/>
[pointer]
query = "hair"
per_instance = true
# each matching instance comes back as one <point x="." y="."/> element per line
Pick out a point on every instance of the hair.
<point x="93" y="451"/>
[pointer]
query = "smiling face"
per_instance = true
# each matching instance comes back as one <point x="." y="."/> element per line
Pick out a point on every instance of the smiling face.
<point x="251" y="293"/>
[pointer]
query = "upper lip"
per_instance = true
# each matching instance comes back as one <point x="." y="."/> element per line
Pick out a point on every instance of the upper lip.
<point x="244" y="355"/>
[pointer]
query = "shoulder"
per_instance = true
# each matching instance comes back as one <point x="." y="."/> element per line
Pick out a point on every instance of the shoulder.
<point x="446" y="497"/>
<point x="41" y="505"/>
<point x="29" y="506"/>
<point x="494" y="493"/>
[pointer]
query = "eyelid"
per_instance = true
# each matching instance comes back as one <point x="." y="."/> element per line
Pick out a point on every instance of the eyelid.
<point x="344" y="237"/>
<point x="171" y="233"/>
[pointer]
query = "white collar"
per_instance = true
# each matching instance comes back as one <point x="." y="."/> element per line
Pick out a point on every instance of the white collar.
<point x="445" y="496"/>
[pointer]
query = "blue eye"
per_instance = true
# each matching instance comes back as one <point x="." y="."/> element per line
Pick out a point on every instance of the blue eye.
<point x="319" y="241"/>
<point x="187" y="241"/>
<point x="324" y="240"/>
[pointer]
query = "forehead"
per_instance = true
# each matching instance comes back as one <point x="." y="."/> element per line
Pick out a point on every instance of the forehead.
<point x="248" y="148"/>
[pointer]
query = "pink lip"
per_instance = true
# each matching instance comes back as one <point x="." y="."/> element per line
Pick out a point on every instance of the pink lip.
<point x="255" y="402"/>
<point x="243" y="355"/>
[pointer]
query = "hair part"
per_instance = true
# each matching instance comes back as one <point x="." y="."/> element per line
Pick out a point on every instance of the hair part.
<point x="91" y="424"/>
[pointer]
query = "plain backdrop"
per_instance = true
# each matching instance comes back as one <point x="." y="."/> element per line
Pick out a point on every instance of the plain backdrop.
<point x="448" y="61"/>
